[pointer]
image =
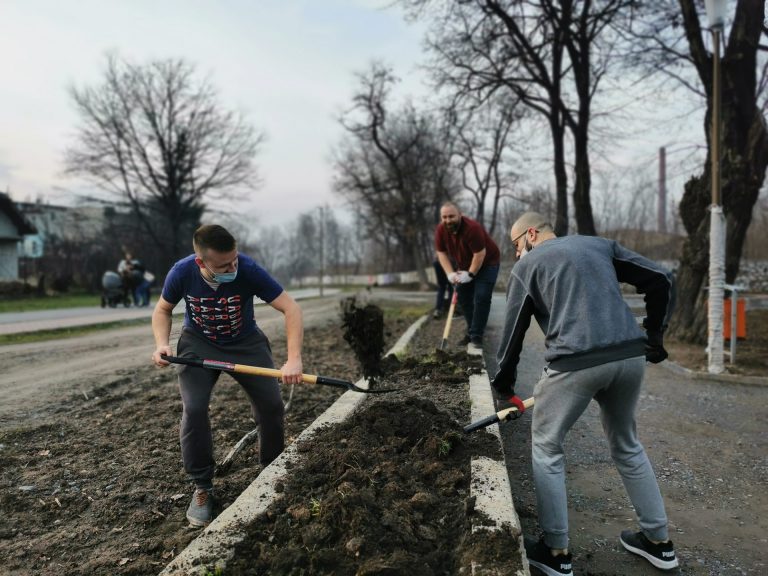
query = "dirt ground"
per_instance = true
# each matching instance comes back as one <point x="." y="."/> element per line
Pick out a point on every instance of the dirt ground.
<point x="751" y="352"/>
<point x="387" y="491"/>
<point x="91" y="480"/>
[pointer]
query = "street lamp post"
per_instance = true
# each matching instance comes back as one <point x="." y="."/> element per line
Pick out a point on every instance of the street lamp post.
<point x="716" y="16"/>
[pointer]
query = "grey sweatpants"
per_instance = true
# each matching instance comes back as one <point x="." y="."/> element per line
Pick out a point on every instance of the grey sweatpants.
<point x="561" y="398"/>
<point x="196" y="385"/>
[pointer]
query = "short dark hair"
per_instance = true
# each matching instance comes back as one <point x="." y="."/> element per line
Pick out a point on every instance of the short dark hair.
<point x="213" y="237"/>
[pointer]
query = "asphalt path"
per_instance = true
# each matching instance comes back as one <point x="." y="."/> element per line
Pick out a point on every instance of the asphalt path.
<point x="19" y="322"/>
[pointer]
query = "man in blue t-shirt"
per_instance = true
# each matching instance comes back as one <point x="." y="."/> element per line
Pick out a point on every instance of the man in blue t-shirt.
<point x="218" y="285"/>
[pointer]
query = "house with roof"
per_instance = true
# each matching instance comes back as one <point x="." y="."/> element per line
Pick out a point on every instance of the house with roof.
<point x="13" y="227"/>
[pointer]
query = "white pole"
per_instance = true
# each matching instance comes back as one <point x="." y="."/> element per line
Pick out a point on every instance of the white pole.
<point x="716" y="227"/>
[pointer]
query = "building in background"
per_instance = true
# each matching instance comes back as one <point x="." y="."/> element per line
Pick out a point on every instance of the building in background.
<point x="13" y="228"/>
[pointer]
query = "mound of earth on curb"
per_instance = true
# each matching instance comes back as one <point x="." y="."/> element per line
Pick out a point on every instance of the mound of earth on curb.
<point x="386" y="491"/>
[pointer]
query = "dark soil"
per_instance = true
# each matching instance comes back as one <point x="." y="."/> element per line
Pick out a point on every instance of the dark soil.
<point x="386" y="491"/>
<point x="95" y="485"/>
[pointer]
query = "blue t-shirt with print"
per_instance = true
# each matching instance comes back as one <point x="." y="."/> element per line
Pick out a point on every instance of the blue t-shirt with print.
<point x="226" y="313"/>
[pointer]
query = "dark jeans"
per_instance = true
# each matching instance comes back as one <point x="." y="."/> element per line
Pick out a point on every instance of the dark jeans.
<point x="196" y="385"/>
<point x="475" y="300"/>
<point x="444" y="288"/>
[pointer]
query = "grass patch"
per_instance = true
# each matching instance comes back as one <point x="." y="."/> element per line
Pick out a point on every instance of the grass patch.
<point x="49" y="302"/>
<point x="71" y="332"/>
<point x="406" y="312"/>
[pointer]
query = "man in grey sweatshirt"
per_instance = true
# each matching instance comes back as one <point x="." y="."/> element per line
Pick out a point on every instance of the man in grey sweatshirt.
<point x="595" y="349"/>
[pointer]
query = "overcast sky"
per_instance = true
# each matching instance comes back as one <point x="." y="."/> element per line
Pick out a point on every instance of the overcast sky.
<point x="288" y="64"/>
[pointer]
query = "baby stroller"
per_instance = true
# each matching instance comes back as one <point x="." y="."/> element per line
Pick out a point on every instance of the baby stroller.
<point x="114" y="290"/>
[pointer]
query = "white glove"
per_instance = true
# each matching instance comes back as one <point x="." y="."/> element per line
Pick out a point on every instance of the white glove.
<point x="453" y="277"/>
<point x="464" y="277"/>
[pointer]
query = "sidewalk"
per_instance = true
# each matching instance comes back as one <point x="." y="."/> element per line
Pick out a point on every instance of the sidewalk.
<point x="19" y="322"/>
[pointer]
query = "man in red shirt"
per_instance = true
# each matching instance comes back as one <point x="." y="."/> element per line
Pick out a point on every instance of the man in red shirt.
<point x="470" y="259"/>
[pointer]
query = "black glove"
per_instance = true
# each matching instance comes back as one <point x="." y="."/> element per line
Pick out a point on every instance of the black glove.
<point x="654" y="348"/>
<point x="504" y="386"/>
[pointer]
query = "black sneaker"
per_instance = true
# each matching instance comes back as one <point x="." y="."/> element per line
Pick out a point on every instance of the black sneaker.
<point x="660" y="555"/>
<point x="540" y="556"/>
<point x="464" y="341"/>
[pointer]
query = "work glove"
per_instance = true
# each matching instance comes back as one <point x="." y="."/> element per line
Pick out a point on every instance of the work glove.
<point x="514" y="399"/>
<point x="453" y="277"/>
<point x="654" y="348"/>
<point x="464" y="277"/>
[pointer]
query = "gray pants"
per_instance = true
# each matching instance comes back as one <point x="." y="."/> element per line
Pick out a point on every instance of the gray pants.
<point x="196" y="385"/>
<point x="561" y="398"/>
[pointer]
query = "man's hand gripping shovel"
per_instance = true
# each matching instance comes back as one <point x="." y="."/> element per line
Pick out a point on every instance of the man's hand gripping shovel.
<point x="511" y="413"/>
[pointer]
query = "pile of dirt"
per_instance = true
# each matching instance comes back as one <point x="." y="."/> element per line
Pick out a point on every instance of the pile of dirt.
<point x="386" y="491"/>
<point x="95" y="484"/>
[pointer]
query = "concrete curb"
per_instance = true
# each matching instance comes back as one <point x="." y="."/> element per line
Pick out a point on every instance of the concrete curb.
<point x="489" y="485"/>
<point x="489" y="482"/>
<point x="724" y="378"/>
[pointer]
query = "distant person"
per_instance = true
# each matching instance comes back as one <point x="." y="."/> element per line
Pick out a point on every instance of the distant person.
<point x="218" y="285"/>
<point x="125" y="270"/>
<point x="137" y="280"/>
<point x="595" y="349"/>
<point x="464" y="241"/>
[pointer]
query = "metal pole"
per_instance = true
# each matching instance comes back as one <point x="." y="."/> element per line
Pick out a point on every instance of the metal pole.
<point x="717" y="226"/>
<point x="734" y="307"/>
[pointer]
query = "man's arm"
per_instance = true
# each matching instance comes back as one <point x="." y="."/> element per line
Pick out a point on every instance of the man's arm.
<point x="517" y="320"/>
<point x="161" y="329"/>
<point x="445" y="262"/>
<point x="477" y="262"/>
<point x="294" y="336"/>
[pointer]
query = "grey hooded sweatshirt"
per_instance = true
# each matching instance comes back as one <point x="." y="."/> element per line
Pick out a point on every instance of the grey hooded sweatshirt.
<point x="571" y="285"/>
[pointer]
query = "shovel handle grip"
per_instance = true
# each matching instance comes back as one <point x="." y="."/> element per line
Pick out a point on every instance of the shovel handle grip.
<point x="240" y="368"/>
<point x="500" y="416"/>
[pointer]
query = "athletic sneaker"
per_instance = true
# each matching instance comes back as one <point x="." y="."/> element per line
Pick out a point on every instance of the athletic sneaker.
<point x="475" y="347"/>
<point x="200" y="511"/>
<point x="540" y="556"/>
<point x="660" y="555"/>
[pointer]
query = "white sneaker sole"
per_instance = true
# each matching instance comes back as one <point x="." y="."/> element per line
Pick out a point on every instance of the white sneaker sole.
<point x="660" y="564"/>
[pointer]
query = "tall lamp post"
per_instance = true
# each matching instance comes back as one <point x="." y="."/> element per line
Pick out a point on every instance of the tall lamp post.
<point x="716" y="16"/>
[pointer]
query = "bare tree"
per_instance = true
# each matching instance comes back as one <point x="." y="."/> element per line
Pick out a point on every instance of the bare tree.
<point x="482" y="140"/>
<point x="394" y="165"/>
<point x="550" y="55"/>
<point x="156" y="136"/>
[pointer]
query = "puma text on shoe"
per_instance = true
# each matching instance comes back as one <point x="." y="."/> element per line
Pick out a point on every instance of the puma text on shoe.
<point x="540" y="556"/>
<point x="661" y="555"/>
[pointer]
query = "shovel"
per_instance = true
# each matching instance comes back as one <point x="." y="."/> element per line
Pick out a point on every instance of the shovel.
<point x="449" y="319"/>
<point x="258" y="371"/>
<point x="502" y="416"/>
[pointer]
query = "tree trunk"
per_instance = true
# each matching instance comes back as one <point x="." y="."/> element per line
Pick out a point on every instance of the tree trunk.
<point x="561" y="176"/>
<point x="743" y="162"/>
<point x="582" y="204"/>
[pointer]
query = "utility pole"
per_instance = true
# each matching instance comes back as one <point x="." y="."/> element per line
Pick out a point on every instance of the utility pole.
<point x="322" y="246"/>
<point x="661" y="212"/>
